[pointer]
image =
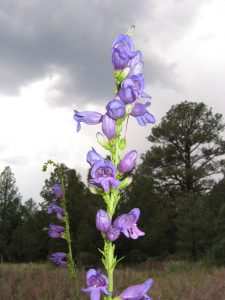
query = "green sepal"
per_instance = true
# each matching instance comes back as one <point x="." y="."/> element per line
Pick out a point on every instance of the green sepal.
<point x="130" y="30"/>
<point x="101" y="251"/>
<point x="124" y="183"/>
<point x="120" y="75"/>
<point x="65" y="236"/>
<point x="129" y="108"/>
<point x="117" y="298"/>
<point x="122" y="144"/>
<point x="94" y="189"/>
<point x="101" y="139"/>
<point x="104" y="262"/>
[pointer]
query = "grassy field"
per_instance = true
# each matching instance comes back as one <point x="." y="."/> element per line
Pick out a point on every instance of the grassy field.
<point x="172" y="281"/>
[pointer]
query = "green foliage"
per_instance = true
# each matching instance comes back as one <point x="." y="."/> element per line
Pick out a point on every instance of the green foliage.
<point x="188" y="148"/>
<point x="82" y="208"/>
<point x="187" y="152"/>
<point x="182" y="209"/>
<point x="10" y="210"/>
<point x="216" y="249"/>
<point x="155" y="220"/>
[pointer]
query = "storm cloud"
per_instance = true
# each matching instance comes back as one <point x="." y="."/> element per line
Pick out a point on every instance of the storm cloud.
<point x="72" y="39"/>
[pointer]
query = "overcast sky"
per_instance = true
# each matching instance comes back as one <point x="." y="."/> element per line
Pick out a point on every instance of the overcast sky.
<point x="55" y="56"/>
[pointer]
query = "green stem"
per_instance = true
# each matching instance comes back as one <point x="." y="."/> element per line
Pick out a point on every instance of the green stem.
<point x="111" y="200"/>
<point x="70" y="260"/>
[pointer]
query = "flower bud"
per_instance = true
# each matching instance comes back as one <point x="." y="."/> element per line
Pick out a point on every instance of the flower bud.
<point x="93" y="157"/>
<point x="102" y="140"/>
<point x="128" y="162"/>
<point x="103" y="222"/>
<point x="57" y="190"/>
<point x="113" y="234"/>
<point x="116" y="109"/>
<point x="108" y="127"/>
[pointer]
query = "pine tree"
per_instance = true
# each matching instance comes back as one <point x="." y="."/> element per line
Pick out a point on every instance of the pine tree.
<point x="10" y="210"/>
<point x="187" y="152"/>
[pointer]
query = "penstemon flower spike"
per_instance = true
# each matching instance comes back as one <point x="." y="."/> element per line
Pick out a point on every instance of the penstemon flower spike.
<point x="108" y="176"/>
<point x="57" y="231"/>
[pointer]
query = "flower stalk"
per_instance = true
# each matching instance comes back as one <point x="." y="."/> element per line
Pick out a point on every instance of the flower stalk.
<point x="66" y="234"/>
<point x="108" y="175"/>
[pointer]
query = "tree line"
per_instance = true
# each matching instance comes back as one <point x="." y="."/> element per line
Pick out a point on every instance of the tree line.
<point x="179" y="187"/>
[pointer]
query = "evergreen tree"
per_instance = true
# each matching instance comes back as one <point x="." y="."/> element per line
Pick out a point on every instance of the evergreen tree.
<point x="216" y="228"/>
<point x="155" y="221"/>
<point x="82" y="208"/>
<point x="29" y="241"/>
<point x="10" y="210"/>
<point x="187" y="151"/>
<point x="188" y="148"/>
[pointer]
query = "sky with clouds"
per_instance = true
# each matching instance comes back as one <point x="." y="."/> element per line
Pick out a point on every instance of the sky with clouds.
<point x="55" y="56"/>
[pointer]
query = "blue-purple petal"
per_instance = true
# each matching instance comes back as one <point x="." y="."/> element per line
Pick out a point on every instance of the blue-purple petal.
<point x="108" y="127"/>
<point x="93" y="157"/>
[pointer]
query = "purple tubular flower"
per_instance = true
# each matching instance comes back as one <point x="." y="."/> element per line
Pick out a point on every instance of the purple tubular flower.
<point x="137" y="292"/>
<point x="132" y="88"/>
<point x="128" y="162"/>
<point x="97" y="284"/>
<point x="108" y="127"/>
<point x="136" y="64"/>
<point x="140" y="85"/>
<point x="57" y="191"/>
<point x="103" y="222"/>
<point x="126" y="223"/>
<point x="113" y="234"/>
<point x="56" y="209"/>
<point x="122" y="52"/>
<point x="142" y="115"/>
<point x="128" y="92"/>
<point x="58" y="257"/>
<point x="56" y="231"/>
<point x="87" y="117"/>
<point x="93" y="157"/>
<point x="116" y="109"/>
<point x="104" y="175"/>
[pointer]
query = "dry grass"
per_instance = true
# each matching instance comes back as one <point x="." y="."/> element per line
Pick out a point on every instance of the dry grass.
<point x="172" y="281"/>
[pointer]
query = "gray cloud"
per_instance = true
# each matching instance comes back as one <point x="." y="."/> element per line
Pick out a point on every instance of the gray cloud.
<point x="73" y="38"/>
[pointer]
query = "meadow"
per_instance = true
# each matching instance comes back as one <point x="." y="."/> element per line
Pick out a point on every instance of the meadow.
<point x="173" y="280"/>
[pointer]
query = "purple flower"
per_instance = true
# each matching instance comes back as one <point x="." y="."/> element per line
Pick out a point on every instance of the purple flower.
<point x="113" y="234"/>
<point x="116" y="109"/>
<point x="136" y="64"/>
<point x="128" y="162"/>
<point x="97" y="284"/>
<point x="87" y="117"/>
<point x="140" y="85"/>
<point x="56" y="209"/>
<point x="57" y="191"/>
<point x="58" y="257"/>
<point x="108" y="127"/>
<point x="56" y="231"/>
<point x="126" y="223"/>
<point x="93" y="157"/>
<point x="128" y="92"/>
<point x="132" y="88"/>
<point x="104" y="175"/>
<point x="122" y="52"/>
<point x="103" y="222"/>
<point x="142" y="115"/>
<point x="137" y="292"/>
